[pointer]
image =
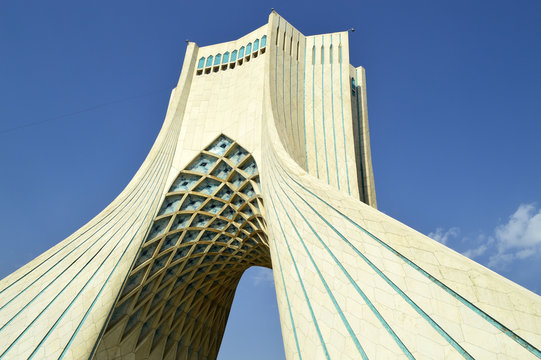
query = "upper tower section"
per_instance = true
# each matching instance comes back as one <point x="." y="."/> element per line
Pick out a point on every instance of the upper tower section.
<point x="318" y="101"/>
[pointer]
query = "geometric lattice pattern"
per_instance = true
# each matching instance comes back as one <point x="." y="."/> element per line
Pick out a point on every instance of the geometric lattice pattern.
<point x="209" y="229"/>
<point x="153" y="275"/>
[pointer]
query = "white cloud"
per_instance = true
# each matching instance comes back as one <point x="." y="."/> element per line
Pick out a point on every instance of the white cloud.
<point x="442" y="236"/>
<point x="519" y="238"/>
<point x="262" y="276"/>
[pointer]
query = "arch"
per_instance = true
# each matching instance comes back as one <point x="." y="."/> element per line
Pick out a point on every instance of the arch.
<point x="209" y="60"/>
<point x="225" y="58"/>
<point x="218" y="59"/>
<point x="201" y="63"/>
<point x="208" y="231"/>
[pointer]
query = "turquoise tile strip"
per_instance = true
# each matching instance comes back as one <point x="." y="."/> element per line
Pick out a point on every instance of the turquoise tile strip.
<point x="160" y="189"/>
<point x="301" y="283"/>
<point x="329" y="292"/>
<point x="313" y="103"/>
<point x="420" y="311"/>
<point x="304" y="109"/>
<point x="49" y="304"/>
<point x="450" y="291"/>
<point x="342" y="107"/>
<point x="84" y="252"/>
<point x="288" y="303"/>
<point x="352" y="282"/>
<point x="323" y="108"/>
<point x="332" y="111"/>
<point x="109" y="219"/>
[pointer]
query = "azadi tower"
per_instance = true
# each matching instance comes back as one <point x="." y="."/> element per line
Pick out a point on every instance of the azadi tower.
<point x="263" y="160"/>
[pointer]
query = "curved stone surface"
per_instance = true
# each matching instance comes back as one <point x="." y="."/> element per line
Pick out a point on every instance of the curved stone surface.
<point x="278" y="119"/>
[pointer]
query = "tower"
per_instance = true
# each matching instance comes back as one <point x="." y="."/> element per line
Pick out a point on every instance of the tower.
<point x="263" y="159"/>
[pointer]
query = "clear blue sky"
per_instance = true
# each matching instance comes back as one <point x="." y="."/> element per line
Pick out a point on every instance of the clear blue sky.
<point x="453" y="103"/>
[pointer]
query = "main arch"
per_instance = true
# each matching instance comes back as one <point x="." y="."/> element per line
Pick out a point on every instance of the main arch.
<point x="263" y="159"/>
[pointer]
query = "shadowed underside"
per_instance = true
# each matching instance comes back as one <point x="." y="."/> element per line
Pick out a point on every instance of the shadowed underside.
<point x="208" y="231"/>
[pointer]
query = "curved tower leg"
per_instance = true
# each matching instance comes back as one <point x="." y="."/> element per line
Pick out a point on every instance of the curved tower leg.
<point x="263" y="159"/>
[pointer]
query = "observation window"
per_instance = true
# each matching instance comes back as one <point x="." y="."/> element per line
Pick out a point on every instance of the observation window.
<point x="201" y="63"/>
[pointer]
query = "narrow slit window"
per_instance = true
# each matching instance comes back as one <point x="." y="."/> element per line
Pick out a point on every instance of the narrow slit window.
<point x="297" y="51"/>
<point x="322" y="55"/>
<point x="313" y="55"/>
<point x="284" y="43"/>
<point x="330" y="55"/>
<point x="340" y="53"/>
<point x="201" y="63"/>
<point x="277" y="34"/>
<point x="291" y="46"/>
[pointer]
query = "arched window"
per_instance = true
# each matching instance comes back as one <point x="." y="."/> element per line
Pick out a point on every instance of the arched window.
<point x="201" y="63"/>
<point x="209" y="60"/>
<point x="241" y="52"/>
<point x="225" y="58"/>
<point x="322" y="55"/>
<point x="256" y="45"/>
<point x="330" y="55"/>
<point x="313" y="55"/>
<point x="340" y="53"/>
<point x="264" y="41"/>
<point x="218" y="59"/>
<point x="248" y="49"/>
<point x="277" y="34"/>
<point x="234" y="55"/>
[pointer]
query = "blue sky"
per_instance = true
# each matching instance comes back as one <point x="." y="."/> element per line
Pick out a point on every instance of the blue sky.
<point x="453" y="97"/>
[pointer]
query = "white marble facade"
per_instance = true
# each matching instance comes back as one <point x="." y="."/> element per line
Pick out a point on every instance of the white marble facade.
<point x="265" y="160"/>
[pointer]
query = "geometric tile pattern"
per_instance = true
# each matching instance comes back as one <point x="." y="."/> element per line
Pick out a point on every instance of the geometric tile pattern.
<point x="209" y="229"/>
<point x="154" y="274"/>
